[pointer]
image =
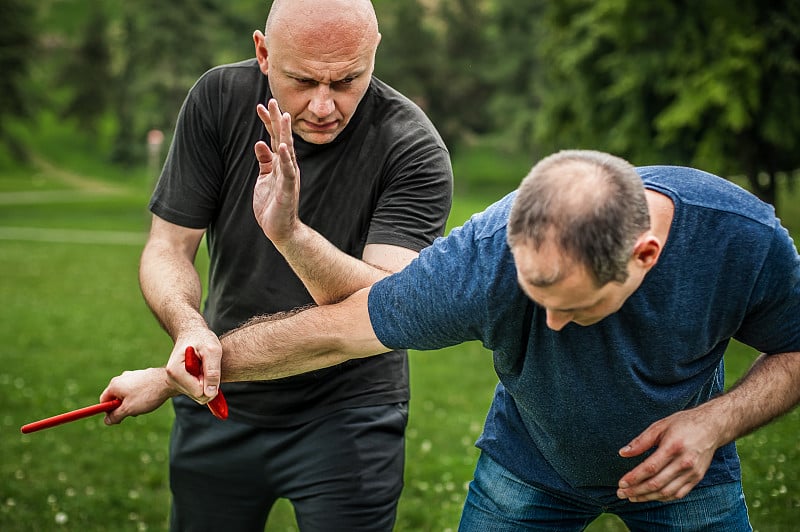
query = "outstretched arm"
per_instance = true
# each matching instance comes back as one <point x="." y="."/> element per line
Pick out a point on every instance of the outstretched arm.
<point x="268" y="347"/>
<point x="329" y="274"/>
<point x="273" y="347"/>
<point x="686" y="441"/>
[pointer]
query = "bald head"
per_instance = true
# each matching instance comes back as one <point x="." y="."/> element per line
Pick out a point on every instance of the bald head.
<point x="319" y="20"/>
<point x="589" y="204"/>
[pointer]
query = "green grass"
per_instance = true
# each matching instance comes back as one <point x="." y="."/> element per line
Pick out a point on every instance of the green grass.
<point x="72" y="317"/>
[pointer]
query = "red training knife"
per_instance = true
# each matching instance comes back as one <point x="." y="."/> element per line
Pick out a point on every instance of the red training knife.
<point x="66" y="417"/>
<point x="218" y="405"/>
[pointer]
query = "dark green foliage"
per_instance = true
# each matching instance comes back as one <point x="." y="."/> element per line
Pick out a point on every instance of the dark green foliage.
<point x="17" y="25"/>
<point x="407" y="56"/>
<point x="167" y="45"/>
<point x="706" y="84"/>
<point x="87" y="71"/>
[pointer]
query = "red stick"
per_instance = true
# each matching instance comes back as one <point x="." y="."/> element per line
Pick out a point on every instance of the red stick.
<point x="218" y="405"/>
<point x="71" y="416"/>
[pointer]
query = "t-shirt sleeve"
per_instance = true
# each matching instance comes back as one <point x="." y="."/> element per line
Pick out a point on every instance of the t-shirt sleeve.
<point x="188" y="188"/>
<point x="413" y="207"/>
<point x="435" y="302"/>
<point x="772" y="324"/>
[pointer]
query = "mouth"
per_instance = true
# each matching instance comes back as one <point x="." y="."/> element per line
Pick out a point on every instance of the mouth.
<point x="321" y="128"/>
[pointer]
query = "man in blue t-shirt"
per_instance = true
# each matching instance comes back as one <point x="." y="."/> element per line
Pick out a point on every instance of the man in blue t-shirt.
<point x="608" y="295"/>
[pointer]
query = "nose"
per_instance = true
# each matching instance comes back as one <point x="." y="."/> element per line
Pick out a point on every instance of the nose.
<point x="557" y="320"/>
<point x="321" y="104"/>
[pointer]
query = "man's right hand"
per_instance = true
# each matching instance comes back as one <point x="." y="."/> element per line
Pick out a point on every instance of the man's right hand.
<point x="206" y="386"/>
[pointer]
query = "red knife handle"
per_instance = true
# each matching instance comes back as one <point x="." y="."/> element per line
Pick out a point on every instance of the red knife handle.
<point x="218" y="405"/>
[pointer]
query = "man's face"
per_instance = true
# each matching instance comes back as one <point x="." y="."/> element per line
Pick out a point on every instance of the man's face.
<point x="566" y="290"/>
<point x="318" y="81"/>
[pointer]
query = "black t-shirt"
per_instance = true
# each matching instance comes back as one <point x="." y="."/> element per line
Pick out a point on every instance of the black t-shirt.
<point x="386" y="179"/>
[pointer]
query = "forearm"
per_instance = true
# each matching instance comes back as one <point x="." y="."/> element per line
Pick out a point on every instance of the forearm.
<point x="287" y="344"/>
<point x="329" y="274"/>
<point x="768" y="390"/>
<point x="172" y="289"/>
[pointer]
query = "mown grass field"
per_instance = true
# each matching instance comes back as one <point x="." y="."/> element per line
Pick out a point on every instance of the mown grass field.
<point x="72" y="317"/>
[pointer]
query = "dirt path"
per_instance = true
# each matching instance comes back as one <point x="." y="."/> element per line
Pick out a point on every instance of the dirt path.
<point x="76" y="181"/>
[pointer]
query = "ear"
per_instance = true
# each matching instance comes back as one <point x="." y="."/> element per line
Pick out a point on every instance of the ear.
<point x="647" y="250"/>
<point x="261" y="51"/>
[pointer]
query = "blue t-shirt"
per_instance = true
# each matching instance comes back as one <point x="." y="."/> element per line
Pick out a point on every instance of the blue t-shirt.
<point x="568" y="400"/>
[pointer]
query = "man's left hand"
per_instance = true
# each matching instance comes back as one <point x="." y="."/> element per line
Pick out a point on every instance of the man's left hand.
<point x="277" y="192"/>
<point x="685" y="444"/>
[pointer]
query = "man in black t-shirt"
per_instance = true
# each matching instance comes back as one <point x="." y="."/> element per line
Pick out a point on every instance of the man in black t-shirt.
<point x="361" y="181"/>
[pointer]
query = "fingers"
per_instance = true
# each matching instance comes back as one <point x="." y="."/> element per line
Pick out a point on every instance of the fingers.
<point x="288" y="169"/>
<point x="140" y="391"/>
<point x="663" y="476"/>
<point x="278" y="125"/>
<point x="264" y="157"/>
<point x="263" y="114"/>
<point x="644" y="441"/>
<point x="179" y="378"/>
<point x="673" y="469"/>
<point x="203" y="386"/>
<point x="114" y="416"/>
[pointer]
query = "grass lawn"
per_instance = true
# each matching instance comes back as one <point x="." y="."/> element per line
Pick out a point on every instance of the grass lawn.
<point x="72" y="317"/>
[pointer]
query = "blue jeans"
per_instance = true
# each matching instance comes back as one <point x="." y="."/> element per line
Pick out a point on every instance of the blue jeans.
<point x="499" y="501"/>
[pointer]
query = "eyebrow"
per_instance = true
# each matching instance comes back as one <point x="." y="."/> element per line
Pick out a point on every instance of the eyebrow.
<point x="301" y="76"/>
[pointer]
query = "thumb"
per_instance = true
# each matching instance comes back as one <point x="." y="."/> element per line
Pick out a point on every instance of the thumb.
<point x="211" y="374"/>
<point x="264" y="157"/>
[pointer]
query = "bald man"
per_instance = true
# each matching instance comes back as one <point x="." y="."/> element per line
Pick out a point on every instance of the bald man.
<point x="370" y="186"/>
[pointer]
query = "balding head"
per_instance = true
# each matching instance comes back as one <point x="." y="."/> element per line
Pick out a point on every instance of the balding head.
<point x="589" y="204"/>
<point x="320" y="20"/>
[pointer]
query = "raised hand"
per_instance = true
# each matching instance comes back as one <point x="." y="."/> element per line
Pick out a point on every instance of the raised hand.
<point x="277" y="190"/>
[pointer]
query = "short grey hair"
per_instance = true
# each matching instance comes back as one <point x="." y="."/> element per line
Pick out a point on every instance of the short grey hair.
<point x="591" y="203"/>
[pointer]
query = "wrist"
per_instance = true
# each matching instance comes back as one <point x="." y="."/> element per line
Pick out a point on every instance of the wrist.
<point x="298" y="240"/>
<point x="166" y="388"/>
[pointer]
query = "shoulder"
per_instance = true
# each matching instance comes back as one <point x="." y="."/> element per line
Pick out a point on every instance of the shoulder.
<point x="232" y="78"/>
<point x="696" y="188"/>
<point x="480" y="244"/>
<point x="398" y="116"/>
<point x="491" y="223"/>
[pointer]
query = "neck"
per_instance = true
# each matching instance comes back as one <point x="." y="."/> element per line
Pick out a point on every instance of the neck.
<point x="661" y="212"/>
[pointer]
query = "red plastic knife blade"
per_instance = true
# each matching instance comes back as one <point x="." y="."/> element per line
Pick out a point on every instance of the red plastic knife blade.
<point x="66" y="417"/>
<point x="218" y="405"/>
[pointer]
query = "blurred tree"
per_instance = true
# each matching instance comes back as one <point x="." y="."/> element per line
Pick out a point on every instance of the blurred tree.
<point x="17" y="34"/>
<point x="87" y="71"/>
<point x="513" y="40"/>
<point x="164" y="47"/>
<point x="461" y="91"/>
<point x="407" y="56"/>
<point x="704" y="84"/>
